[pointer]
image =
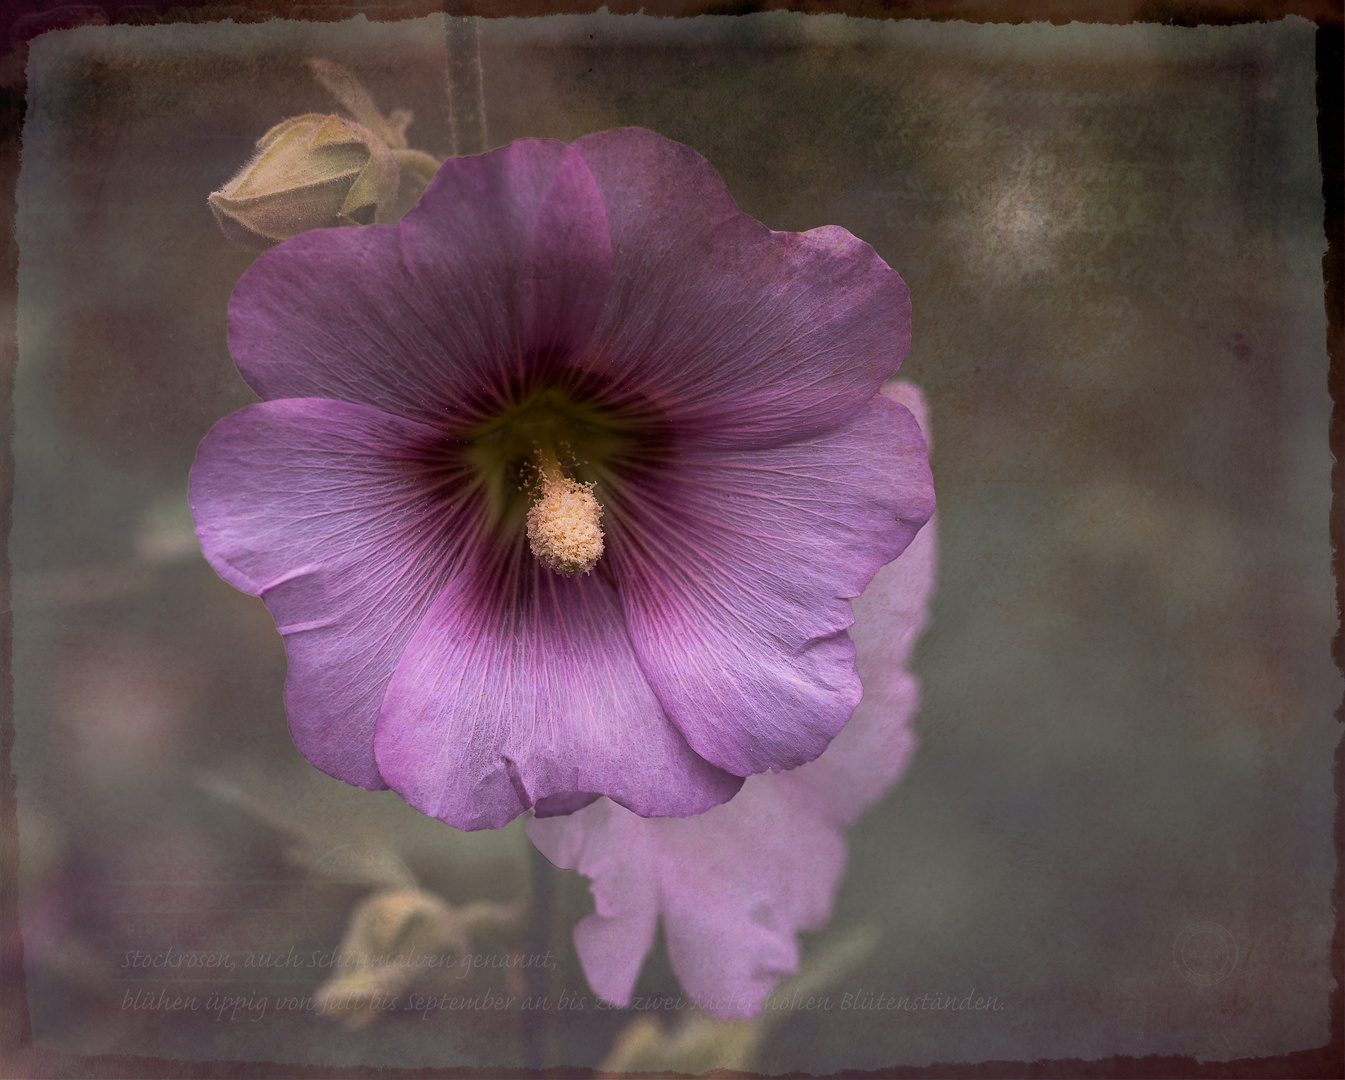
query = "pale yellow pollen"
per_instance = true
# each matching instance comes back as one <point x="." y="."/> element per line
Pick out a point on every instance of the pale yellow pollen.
<point x="563" y="524"/>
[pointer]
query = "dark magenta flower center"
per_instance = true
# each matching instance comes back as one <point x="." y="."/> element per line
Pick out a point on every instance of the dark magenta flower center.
<point x="594" y="441"/>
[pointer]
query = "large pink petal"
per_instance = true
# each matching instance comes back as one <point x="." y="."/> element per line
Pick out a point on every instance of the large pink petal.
<point x="337" y="517"/>
<point x="743" y="337"/>
<point x="619" y="852"/>
<point x="521" y="684"/>
<point x="735" y="884"/>
<point x="736" y="568"/>
<point x="495" y="279"/>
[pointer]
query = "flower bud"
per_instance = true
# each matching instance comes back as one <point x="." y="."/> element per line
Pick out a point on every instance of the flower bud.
<point x="309" y="172"/>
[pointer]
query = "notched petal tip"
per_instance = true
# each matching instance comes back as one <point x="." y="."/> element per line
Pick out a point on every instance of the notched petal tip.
<point x="562" y="805"/>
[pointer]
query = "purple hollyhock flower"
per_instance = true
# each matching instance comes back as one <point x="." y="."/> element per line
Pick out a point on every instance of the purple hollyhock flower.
<point x="565" y="358"/>
<point x="734" y="885"/>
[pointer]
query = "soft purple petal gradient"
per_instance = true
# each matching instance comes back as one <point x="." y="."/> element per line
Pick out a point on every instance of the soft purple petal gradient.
<point x="521" y="684"/>
<point x="498" y="275"/>
<point x="753" y="480"/>
<point x="735" y="570"/>
<point x="734" y="885"/>
<point x="310" y="505"/>
<point x="742" y="336"/>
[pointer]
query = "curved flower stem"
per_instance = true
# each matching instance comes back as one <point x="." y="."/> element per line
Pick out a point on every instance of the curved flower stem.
<point x="418" y="163"/>
<point x="466" y="104"/>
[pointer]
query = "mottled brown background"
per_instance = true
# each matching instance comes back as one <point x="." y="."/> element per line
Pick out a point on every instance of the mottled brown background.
<point x="1112" y="238"/>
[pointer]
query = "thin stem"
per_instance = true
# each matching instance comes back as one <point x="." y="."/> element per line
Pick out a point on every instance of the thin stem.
<point x="539" y="942"/>
<point x="466" y="104"/>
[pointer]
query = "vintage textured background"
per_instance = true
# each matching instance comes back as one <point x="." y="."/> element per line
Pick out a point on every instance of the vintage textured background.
<point x="1118" y="823"/>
